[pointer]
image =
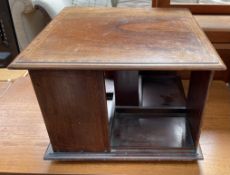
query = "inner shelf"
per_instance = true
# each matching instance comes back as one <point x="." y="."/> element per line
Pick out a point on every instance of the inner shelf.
<point x="159" y="122"/>
<point x="151" y="131"/>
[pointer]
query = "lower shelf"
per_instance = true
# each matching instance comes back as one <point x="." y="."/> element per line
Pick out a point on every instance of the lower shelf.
<point x="151" y="131"/>
<point x="142" y="137"/>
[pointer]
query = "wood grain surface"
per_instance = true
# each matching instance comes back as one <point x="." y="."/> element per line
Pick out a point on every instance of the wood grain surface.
<point x="121" y="39"/>
<point x="196" y="100"/>
<point x="126" y="84"/>
<point x="73" y="104"/>
<point x="24" y="140"/>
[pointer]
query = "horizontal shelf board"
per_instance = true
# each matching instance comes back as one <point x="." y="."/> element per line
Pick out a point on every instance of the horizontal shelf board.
<point x="150" y="110"/>
<point x="151" y="131"/>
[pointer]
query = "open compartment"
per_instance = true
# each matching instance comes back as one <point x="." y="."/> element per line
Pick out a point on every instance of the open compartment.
<point x="159" y="124"/>
<point x="161" y="127"/>
<point x="151" y="131"/>
<point x="162" y="90"/>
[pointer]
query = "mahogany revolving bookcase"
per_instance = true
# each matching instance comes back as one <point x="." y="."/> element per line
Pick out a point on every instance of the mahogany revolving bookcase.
<point x="148" y="116"/>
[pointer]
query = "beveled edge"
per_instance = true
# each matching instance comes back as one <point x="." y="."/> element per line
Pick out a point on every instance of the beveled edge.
<point x="114" y="66"/>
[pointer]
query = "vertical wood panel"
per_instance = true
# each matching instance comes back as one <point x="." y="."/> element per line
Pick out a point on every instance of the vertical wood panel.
<point x="73" y="104"/>
<point x="197" y="95"/>
<point x="126" y="88"/>
<point x="224" y="75"/>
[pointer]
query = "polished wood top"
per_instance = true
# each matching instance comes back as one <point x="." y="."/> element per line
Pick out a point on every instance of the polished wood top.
<point x="120" y="38"/>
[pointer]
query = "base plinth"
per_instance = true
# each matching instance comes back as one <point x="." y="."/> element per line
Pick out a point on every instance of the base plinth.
<point x="134" y="155"/>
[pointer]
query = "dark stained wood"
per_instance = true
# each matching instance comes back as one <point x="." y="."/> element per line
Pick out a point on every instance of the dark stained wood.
<point x="154" y="3"/>
<point x="123" y="39"/>
<point x="163" y="92"/>
<point x="127" y="88"/>
<point x="73" y="104"/>
<point x="197" y="95"/>
<point x="224" y="75"/>
<point x="160" y="3"/>
<point x="220" y="36"/>
<point x="72" y="96"/>
<point x="152" y="132"/>
<point x="128" y="155"/>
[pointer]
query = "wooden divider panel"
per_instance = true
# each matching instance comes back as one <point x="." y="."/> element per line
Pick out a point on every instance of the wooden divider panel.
<point x="73" y="104"/>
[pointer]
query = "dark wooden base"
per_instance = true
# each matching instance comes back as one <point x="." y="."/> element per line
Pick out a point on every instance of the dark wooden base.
<point x="128" y="155"/>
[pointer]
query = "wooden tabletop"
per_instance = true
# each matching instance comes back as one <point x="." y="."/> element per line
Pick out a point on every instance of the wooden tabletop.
<point x="121" y="39"/>
<point x="23" y="139"/>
